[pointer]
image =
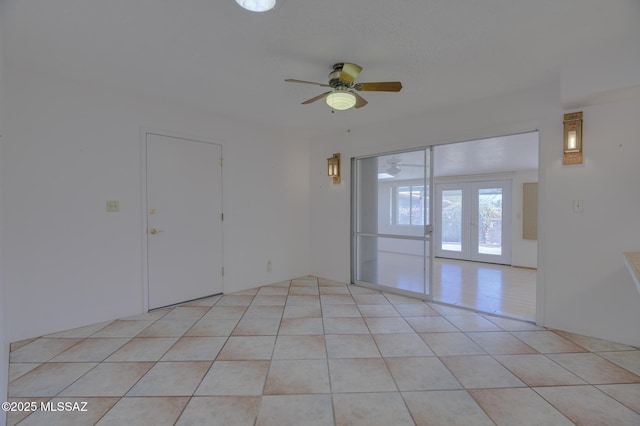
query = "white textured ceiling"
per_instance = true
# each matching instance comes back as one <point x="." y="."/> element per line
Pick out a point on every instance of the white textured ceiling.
<point x="495" y="155"/>
<point x="215" y="55"/>
<point x="511" y="153"/>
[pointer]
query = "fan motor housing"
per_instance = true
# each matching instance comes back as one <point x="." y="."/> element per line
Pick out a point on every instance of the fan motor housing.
<point x="334" y="78"/>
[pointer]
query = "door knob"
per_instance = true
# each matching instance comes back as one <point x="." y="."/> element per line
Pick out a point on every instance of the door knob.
<point x="154" y="231"/>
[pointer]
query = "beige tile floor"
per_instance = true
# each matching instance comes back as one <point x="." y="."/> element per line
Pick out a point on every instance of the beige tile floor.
<point x="317" y="352"/>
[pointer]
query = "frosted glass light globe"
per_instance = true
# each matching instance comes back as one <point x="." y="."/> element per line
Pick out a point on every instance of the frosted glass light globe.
<point x="341" y="100"/>
<point x="257" y="5"/>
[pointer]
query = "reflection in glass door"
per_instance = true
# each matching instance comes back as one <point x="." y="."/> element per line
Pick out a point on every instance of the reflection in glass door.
<point x="489" y="215"/>
<point x="391" y="243"/>
<point x="473" y="221"/>
<point x="450" y="211"/>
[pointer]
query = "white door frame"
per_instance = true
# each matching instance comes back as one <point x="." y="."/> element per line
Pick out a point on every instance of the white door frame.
<point x="143" y="197"/>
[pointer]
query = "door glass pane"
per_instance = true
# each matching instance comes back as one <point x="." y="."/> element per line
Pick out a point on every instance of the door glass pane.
<point x="451" y="220"/>
<point x="402" y="196"/>
<point x="409" y="206"/>
<point x="400" y="193"/>
<point x="368" y="196"/>
<point x="395" y="203"/>
<point x="417" y="204"/>
<point x="392" y="196"/>
<point x="367" y="259"/>
<point x="393" y="262"/>
<point x="391" y="242"/>
<point x="490" y="221"/>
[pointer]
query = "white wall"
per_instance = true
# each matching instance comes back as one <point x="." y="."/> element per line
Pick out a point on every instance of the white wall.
<point x="604" y="76"/>
<point x="524" y="253"/>
<point x="582" y="284"/>
<point x="70" y="147"/>
<point x="588" y="288"/>
<point x="4" y="343"/>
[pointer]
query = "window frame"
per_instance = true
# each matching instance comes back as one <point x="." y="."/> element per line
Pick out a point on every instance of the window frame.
<point x="395" y="205"/>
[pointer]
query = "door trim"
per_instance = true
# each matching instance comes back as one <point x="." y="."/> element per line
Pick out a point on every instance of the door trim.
<point x="144" y="131"/>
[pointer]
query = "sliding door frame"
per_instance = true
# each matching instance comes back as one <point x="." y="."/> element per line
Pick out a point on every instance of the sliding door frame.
<point x="426" y="237"/>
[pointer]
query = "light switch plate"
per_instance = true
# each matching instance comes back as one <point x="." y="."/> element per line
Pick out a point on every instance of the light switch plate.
<point x="113" y="206"/>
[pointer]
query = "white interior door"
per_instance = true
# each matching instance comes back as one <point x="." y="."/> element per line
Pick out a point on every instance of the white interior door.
<point x="184" y="220"/>
<point x="474" y="221"/>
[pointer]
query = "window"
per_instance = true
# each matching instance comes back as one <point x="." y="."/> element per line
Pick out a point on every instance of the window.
<point x="408" y="205"/>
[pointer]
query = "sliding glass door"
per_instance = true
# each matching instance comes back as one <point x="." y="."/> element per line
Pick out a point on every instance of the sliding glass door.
<point x="391" y="237"/>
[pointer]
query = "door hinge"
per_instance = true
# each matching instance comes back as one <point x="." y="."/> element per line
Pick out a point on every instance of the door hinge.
<point x="222" y="217"/>
<point x="221" y="161"/>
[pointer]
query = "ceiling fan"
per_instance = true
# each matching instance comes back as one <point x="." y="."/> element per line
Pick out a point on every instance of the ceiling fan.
<point x="396" y="165"/>
<point x="344" y="90"/>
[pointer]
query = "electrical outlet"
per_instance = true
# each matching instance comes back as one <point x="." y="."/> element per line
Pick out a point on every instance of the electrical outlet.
<point x="269" y="266"/>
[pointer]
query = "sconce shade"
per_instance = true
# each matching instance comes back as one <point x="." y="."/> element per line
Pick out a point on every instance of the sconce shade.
<point x="341" y="100"/>
<point x="333" y="167"/>
<point x="572" y="144"/>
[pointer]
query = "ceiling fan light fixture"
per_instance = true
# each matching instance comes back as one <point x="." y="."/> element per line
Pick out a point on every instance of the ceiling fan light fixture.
<point x="393" y="170"/>
<point x="341" y="100"/>
<point x="257" y="5"/>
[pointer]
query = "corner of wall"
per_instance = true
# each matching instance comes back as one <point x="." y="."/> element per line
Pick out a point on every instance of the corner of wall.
<point x="604" y="76"/>
<point x="4" y="344"/>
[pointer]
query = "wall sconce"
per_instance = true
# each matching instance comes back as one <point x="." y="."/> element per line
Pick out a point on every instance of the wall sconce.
<point x="573" y="138"/>
<point x="333" y="164"/>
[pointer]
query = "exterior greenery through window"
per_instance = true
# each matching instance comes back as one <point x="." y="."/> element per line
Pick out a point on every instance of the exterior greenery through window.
<point x="408" y="205"/>
<point x="489" y="217"/>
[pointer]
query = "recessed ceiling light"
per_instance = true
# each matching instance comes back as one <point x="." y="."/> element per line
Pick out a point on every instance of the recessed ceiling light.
<point x="257" y="5"/>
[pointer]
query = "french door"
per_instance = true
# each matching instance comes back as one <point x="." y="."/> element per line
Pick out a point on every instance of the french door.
<point x="391" y="221"/>
<point x="473" y="221"/>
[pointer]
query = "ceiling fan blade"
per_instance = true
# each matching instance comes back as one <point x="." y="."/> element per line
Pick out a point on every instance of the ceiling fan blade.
<point x="360" y="101"/>
<point x="350" y="72"/>
<point x="383" y="86"/>
<point x="292" y="80"/>
<point x="317" y="98"/>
